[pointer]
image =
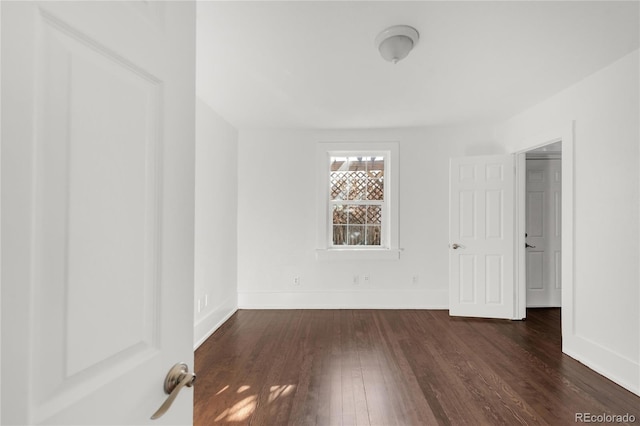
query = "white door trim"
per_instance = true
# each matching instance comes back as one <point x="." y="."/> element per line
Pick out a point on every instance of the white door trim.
<point x="566" y="135"/>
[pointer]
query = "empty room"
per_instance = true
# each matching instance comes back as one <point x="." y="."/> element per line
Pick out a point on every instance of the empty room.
<point x="320" y="213"/>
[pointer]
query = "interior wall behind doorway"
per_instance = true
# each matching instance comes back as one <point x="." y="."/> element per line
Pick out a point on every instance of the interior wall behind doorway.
<point x="215" y="258"/>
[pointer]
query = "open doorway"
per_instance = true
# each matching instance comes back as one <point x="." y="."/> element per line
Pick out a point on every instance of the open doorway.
<point x="543" y="223"/>
<point x="559" y="145"/>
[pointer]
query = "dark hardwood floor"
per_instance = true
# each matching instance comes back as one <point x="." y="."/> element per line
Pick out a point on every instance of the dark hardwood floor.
<point x="395" y="367"/>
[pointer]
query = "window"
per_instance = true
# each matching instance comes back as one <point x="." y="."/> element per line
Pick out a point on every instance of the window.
<point x="358" y="200"/>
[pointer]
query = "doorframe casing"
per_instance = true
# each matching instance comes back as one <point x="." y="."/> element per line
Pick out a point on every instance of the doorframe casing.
<point x="566" y="136"/>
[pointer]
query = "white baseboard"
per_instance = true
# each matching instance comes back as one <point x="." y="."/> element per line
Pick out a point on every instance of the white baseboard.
<point x="206" y="326"/>
<point x="373" y="299"/>
<point x="612" y="365"/>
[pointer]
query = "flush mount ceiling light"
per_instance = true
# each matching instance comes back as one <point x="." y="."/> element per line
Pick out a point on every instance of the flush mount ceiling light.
<point x="396" y="42"/>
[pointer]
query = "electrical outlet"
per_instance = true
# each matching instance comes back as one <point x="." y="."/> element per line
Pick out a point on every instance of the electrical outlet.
<point x="356" y="280"/>
<point x="296" y="280"/>
<point x="366" y="279"/>
<point x="415" y="279"/>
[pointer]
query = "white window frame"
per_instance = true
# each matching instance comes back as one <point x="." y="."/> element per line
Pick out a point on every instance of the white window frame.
<point x="389" y="249"/>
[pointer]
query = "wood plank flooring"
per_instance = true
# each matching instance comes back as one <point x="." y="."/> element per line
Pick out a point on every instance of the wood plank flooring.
<point x="395" y="367"/>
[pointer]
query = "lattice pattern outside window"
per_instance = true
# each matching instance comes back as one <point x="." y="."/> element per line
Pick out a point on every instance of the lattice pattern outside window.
<point x="357" y="200"/>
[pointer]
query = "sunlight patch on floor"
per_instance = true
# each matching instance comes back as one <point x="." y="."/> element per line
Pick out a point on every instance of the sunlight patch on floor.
<point x="276" y="392"/>
<point x="244" y="408"/>
<point x="222" y="390"/>
<point x="240" y="411"/>
<point x="243" y="388"/>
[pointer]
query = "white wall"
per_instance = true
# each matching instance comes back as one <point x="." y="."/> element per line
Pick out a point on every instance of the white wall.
<point x="604" y="330"/>
<point x="215" y="221"/>
<point x="277" y="221"/>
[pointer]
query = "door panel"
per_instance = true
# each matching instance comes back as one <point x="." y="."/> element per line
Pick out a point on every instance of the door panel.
<point x="481" y="236"/>
<point x="494" y="201"/>
<point x="494" y="281"/>
<point x="535" y="270"/>
<point x="467" y="279"/>
<point x="98" y="193"/>
<point x="95" y="178"/>
<point x="543" y="219"/>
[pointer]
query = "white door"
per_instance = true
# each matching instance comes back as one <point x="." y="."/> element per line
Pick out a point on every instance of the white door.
<point x="481" y="250"/>
<point x="543" y="206"/>
<point x="97" y="210"/>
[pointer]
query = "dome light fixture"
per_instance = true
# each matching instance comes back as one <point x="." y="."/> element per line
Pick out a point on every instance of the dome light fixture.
<point x="396" y="42"/>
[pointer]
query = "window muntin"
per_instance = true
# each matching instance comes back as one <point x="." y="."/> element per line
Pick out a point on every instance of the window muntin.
<point x="357" y="206"/>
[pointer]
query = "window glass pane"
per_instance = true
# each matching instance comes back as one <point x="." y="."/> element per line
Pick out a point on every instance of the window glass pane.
<point x="375" y="189"/>
<point x="375" y="164"/>
<point x="356" y="235"/>
<point x="373" y="235"/>
<point x="339" y="185"/>
<point x="339" y="214"/>
<point x="339" y="235"/>
<point x="357" y="164"/>
<point x="375" y="173"/>
<point x="357" y="185"/>
<point x="374" y="215"/>
<point x="357" y="214"/>
<point x="357" y="178"/>
<point x="337" y="163"/>
<point x="356" y="224"/>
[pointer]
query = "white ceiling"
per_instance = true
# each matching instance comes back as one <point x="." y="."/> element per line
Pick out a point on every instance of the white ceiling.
<point x="314" y="64"/>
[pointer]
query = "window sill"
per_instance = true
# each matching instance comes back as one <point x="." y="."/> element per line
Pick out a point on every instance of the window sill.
<point x="358" y="254"/>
